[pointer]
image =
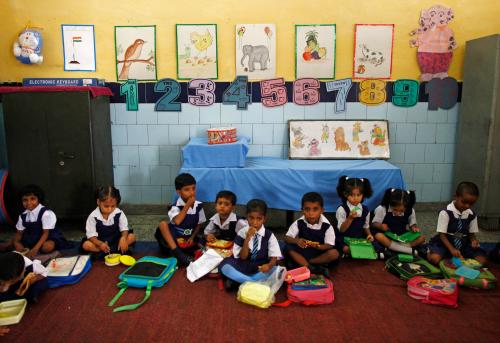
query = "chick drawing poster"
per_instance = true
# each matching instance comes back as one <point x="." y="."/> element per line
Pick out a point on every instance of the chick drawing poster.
<point x="197" y="51"/>
<point x="256" y="51"/>
<point x="135" y="48"/>
<point x="315" y="51"/>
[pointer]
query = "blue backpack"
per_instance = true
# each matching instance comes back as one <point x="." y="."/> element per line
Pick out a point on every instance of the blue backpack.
<point x="148" y="272"/>
<point x="67" y="270"/>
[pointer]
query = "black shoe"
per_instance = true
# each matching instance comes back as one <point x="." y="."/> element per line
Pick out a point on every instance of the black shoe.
<point x="230" y="285"/>
<point x="319" y="270"/>
<point x="183" y="259"/>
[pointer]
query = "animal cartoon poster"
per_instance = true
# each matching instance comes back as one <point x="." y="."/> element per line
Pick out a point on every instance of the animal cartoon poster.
<point x="197" y="51"/>
<point x="78" y="47"/>
<point x="135" y="52"/>
<point x="315" y="51"/>
<point x="338" y="139"/>
<point x="256" y="51"/>
<point x="373" y="45"/>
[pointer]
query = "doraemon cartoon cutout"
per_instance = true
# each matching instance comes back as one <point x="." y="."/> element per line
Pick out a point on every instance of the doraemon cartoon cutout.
<point x="28" y="47"/>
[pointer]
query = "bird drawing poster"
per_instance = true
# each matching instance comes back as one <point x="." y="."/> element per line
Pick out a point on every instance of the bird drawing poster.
<point x="256" y="51"/>
<point x="135" y="52"/>
<point x="373" y="45"/>
<point x="315" y="51"/>
<point x="78" y="47"/>
<point x="197" y="51"/>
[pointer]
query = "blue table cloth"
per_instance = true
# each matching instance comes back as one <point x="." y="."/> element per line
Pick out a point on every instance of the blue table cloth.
<point x="199" y="154"/>
<point x="281" y="183"/>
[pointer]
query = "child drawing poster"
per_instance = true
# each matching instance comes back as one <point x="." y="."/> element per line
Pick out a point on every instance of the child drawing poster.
<point x="315" y="51"/>
<point x="373" y="45"/>
<point x="338" y="139"/>
<point x="78" y="47"/>
<point x="256" y="51"/>
<point x="135" y="48"/>
<point x="197" y="51"/>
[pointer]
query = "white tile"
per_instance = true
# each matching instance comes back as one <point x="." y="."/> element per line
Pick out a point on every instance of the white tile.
<point x="211" y="114"/>
<point x="149" y="155"/>
<point x="178" y="134"/>
<point x="190" y="114"/>
<point x="147" y="114"/>
<point x="122" y="116"/>
<point x="272" y="114"/>
<point x="253" y="114"/>
<point x="137" y="134"/>
<point x="158" y="134"/>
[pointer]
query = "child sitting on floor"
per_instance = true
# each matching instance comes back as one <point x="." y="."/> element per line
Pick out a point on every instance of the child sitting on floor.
<point x="311" y="239"/>
<point x="36" y="229"/>
<point x="457" y="228"/>
<point x="107" y="226"/>
<point x="224" y="224"/>
<point x="178" y="236"/>
<point x="396" y="214"/>
<point x="353" y="218"/>
<point x="255" y="250"/>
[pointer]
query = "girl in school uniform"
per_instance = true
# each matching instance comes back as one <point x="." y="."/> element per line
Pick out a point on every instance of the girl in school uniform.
<point x="36" y="229"/>
<point x="353" y="218"/>
<point x="396" y="214"/>
<point x="255" y="250"/>
<point x="107" y="226"/>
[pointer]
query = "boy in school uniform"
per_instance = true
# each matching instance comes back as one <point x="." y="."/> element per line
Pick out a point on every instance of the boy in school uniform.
<point x="224" y="224"/>
<point x="178" y="236"/>
<point x="311" y="238"/>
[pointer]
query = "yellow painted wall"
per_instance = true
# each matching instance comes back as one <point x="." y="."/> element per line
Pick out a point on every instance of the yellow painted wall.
<point x="473" y="19"/>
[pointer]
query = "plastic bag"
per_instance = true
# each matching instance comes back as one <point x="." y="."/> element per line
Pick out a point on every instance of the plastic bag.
<point x="261" y="293"/>
<point x="202" y="266"/>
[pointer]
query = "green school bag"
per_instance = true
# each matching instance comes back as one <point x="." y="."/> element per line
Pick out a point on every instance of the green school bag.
<point x="147" y="273"/>
<point x="485" y="279"/>
<point x="407" y="266"/>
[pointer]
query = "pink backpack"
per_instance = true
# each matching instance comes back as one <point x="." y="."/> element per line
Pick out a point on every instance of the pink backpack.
<point x="318" y="291"/>
<point x="431" y="291"/>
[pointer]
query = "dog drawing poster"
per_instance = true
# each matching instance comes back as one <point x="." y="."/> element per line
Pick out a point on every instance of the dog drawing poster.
<point x="256" y="51"/>
<point x="338" y="139"/>
<point x="373" y="45"/>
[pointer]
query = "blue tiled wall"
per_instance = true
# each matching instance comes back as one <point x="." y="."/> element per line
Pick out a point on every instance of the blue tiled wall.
<point x="147" y="144"/>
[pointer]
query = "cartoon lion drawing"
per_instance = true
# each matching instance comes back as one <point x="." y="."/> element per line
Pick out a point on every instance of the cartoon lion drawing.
<point x="340" y="143"/>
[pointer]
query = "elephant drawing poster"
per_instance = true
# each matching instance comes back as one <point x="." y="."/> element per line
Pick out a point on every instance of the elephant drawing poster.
<point x="315" y="51"/>
<point x="135" y="52"/>
<point x="338" y="139"/>
<point x="197" y="51"/>
<point x="256" y="51"/>
<point x="373" y="45"/>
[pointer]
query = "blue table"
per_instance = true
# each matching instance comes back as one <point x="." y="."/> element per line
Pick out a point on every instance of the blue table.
<point x="281" y="183"/>
<point x="198" y="153"/>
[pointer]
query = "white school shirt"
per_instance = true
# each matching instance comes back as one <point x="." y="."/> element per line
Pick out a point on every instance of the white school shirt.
<point x="293" y="230"/>
<point x="443" y="219"/>
<point x="90" y="226"/>
<point x="49" y="218"/>
<point x="175" y="210"/>
<point x="380" y="213"/>
<point x="342" y="216"/>
<point x="38" y="268"/>
<point x="273" y="249"/>
<point x="210" y="228"/>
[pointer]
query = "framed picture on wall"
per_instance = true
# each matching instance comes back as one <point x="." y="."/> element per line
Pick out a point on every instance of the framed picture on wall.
<point x="338" y="139"/>
<point x="197" y="51"/>
<point x="256" y="51"/>
<point x="135" y="48"/>
<point x="78" y="47"/>
<point x="315" y="51"/>
<point x="373" y="46"/>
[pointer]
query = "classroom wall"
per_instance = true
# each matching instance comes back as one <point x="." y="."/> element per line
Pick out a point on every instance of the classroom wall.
<point x="147" y="144"/>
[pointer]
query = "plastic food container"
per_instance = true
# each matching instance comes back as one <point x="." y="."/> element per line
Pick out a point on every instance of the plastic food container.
<point x="127" y="260"/>
<point x="112" y="260"/>
<point x="298" y="274"/>
<point x="222" y="135"/>
<point x="11" y="312"/>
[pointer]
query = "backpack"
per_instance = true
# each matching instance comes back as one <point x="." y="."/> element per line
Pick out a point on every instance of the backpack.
<point x="317" y="290"/>
<point x="67" y="270"/>
<point x="431" y="291"/>
<point x="485" y="279"/>
<point x="146" y="273"/>
<point x="401" y="265"/>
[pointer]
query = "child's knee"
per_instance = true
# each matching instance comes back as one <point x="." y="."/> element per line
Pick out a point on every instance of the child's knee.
<point x="434" y="258"/>
<point x="89" y="246"/>
<point x="332" y="255"/>
<point x="48" y="246"/>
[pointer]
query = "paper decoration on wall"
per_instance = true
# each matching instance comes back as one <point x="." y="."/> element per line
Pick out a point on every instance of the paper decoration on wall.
<point x="78" y="47"/>
<point x="342" y="87"/>
<point x="197" y="51"/>
<point x="237" y="93"/>
<point x="135" y="52"/>
<point x="28" y="46"/>
<point x="373" y="44"/>
<point x="435" y="42"/>
<point x="315" y="51"/>
<point x="172" y="90"/>
<point x="443" y="93"/>
<point x="130" y="90"/>
<point x="256" y="50"/>
<point x="306" y="91"/>
<point x="329" y="139"/>
<point x="204" y="92"/>
<point x="372" y="92"/>
<point x="273" y="92"/>
<point x="405" y="93"/>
